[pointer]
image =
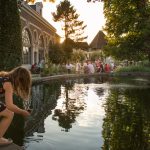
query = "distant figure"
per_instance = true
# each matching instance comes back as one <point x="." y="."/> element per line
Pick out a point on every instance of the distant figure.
<point x="69" y="67"/>
<point x="98" y="66"/>
<point x="107" y="68"/>
<point x="90" y="68"/>
<point x="17" y="81"/>
<point x="112" y="66"/>
<point x="35" y="68"/>
<point x="41" y="65"/>
<point x="101" y="67"/>
<point x="85" y="67"/>
<point x="78" y="67"/>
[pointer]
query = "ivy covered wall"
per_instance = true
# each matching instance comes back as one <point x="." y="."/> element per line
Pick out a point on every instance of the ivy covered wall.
<point x="10" y="35"/>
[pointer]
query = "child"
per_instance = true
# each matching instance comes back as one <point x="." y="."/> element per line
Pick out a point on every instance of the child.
<point x="17" y="81"/>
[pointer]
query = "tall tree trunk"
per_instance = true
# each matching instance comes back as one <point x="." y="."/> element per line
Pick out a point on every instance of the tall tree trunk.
<point x="10" y="35"/>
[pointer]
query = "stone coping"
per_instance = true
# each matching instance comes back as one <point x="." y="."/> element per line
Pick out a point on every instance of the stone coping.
<point x="39" y="79"/>
<point x="11" y="147"/>
<point x="66" y="76"/>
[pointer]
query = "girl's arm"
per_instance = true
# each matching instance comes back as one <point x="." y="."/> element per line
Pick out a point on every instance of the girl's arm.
<point x="9" y="100"/>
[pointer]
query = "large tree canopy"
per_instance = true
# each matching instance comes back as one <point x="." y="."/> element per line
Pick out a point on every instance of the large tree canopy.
<point x="66" y="13"/>
<point x="73" y="28"/>
<point x="55" y="0"/>
<point x="32" y="1"/>
<point x="127" y="27"/>
<point x="94" y="0"/>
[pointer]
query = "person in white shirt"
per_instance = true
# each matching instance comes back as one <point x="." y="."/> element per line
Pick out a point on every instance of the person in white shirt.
<point x="90" y="68"/>
<point x="78" y="67"/>
<point x="69" y="67"/>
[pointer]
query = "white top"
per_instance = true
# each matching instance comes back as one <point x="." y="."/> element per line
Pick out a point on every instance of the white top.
<point x="91" y="68"/>
<point x="69" y="66"/>
<point x="78" y="66"/>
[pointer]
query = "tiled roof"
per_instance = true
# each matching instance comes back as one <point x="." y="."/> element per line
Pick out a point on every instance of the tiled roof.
<point x="99" y="41"/>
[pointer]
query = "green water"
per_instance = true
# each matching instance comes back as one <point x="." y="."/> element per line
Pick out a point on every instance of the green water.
<point x="89" y="114"/>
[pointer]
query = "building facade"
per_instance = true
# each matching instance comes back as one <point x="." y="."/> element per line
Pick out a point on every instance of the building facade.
<point x="38" y="35"/>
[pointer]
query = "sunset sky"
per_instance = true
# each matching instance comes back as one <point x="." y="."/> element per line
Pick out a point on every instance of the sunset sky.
<point x="90" y="13"/>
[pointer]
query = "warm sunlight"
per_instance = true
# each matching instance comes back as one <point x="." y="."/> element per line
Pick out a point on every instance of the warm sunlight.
<point x="90" y="13"/>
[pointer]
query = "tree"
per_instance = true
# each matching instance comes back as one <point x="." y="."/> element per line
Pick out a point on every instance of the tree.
<point x="10" y="35"/>
<point x="67" y="47"/>
<point x="73" y="28"/>
<point x="94" y="1"/>
<point x="127" y="27"/>
<point x="78" y="55"/>
<point x="32" y="1"/>
<point x="56" y="54"/>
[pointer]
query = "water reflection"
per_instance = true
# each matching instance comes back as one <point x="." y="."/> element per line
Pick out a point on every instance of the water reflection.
<point x="127" y="122"/>
<point x="44" y="99"/>
<point x="70" y="101"/>
<point x="76" y="107"/>
<point x="72" y="105"/>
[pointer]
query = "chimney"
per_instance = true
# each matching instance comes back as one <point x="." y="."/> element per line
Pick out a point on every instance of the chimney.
<point x="38" y="6"/>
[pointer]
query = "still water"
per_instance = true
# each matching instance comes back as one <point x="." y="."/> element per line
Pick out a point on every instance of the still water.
<point x="89" y="114"/>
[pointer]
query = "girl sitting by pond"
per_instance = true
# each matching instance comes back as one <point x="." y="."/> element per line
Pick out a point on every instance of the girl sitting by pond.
<point x="17" y="81"/>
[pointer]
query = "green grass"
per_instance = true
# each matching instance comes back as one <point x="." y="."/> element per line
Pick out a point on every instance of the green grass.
<point x="139" y="68"/>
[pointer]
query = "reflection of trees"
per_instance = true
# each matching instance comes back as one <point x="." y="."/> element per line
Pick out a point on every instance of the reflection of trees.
<point x="44" y="98"/>
<point x="127" y="122"/>
<point x="72" y="106"/>
<point x="99" y="91"/>
<point x="89" y="80"/>
<point x="97" y="79"/>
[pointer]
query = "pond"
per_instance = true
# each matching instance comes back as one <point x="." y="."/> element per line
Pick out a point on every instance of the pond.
<point x="96" y="113"/>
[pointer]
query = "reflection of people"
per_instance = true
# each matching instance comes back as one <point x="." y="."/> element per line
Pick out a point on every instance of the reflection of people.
<point x="17" y="81"/>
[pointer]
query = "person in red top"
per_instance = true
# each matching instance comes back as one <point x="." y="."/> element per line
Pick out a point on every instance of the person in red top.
<point x="17" y="81"/>
<point x="107" y="68"/>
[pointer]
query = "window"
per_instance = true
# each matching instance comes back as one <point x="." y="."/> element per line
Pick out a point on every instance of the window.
<point x="41" y="48"/>
<point x="26" y="47"/>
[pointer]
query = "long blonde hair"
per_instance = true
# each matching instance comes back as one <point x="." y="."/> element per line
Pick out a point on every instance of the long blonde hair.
<point x="21" y="81"/>
<point x="3" y="74"/>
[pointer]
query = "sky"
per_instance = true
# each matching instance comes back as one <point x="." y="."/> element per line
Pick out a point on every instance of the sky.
<point x="90" y="13"/>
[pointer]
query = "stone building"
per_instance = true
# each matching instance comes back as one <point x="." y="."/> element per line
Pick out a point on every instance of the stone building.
<point x="37" y="34"/>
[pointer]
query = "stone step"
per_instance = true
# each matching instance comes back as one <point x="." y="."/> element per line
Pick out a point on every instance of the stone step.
<point x="10" y="147"/>
<point x="35" y="75"/>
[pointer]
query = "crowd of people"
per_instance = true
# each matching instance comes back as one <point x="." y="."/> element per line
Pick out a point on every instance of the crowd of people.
<point x="37" y="68"/>
<point x="89" y="67"/>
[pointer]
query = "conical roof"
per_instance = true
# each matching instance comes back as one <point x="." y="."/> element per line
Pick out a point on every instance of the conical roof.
<point x="99" y="41"/>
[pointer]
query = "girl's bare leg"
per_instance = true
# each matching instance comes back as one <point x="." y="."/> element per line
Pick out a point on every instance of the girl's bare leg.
<point x="5" y="122"/>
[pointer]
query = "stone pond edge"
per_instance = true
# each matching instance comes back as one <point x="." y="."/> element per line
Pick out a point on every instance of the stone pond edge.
<point x="36" y="80"/>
